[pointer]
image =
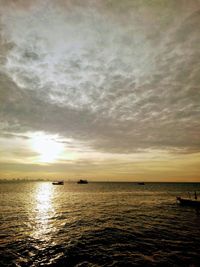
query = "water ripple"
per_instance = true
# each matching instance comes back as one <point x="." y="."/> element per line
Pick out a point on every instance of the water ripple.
<point x="98" y="225"/>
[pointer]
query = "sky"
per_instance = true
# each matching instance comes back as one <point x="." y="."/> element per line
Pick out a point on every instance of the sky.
<point x="107" y="90"/>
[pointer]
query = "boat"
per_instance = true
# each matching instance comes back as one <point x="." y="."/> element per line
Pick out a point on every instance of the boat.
<point x="188" y="202"/>
<point x="141" y="183"/>
<point x="81" y="181"/>
<point x="58" y="183"/>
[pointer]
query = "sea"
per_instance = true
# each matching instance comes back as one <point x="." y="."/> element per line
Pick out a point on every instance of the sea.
<point x="98" y="224"/>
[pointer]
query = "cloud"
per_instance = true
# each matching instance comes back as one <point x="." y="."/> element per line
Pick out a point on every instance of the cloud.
<point x="120" y="77"/>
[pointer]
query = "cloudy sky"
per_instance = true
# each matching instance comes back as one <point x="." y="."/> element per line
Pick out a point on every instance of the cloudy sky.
<point x="102" y="89"/>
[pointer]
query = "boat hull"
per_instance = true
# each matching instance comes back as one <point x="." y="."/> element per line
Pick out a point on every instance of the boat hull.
<point x="58" y="183"/>
<point x="82" y="182"/>
<point x="188" y="202"/>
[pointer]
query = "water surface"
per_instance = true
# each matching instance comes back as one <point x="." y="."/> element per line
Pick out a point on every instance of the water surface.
<point x="97" y="224"/>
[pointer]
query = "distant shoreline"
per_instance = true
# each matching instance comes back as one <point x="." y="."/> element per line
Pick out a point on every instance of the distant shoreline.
<point x="75" y="180"/>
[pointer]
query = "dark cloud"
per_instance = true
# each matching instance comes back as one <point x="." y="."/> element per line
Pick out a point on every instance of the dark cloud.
<point x="120" y="83"/>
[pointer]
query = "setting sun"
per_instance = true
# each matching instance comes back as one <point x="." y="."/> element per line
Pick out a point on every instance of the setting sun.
<point x="47" y="147"/>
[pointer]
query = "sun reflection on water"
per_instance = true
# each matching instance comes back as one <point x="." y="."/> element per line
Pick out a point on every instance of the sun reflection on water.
<point x="44" y="210"/>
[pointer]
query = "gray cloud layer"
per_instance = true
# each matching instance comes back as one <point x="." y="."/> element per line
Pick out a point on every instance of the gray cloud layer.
<point x="121" y="76"/>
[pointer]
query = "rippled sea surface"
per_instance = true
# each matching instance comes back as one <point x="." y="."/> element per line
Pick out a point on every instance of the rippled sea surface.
<point x="97" y="224"/>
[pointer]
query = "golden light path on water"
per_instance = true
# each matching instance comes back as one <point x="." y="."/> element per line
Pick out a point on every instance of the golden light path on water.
<point x="44" y="210"/>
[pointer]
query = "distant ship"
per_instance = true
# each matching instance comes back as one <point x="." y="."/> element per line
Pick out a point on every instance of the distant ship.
<point x="58" y="183"/>
<point x="82" y="181"/>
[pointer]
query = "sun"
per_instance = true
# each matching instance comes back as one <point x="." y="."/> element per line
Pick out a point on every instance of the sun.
<point x="48" y="148"/>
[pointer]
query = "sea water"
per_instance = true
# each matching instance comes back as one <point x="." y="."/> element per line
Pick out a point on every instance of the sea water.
<point x="97" y="224"/>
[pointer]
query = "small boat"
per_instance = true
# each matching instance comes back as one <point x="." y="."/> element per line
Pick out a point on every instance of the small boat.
<point x="58" y="183"/>
<point x="81" y="181"/>
<point x="188" y="202"/>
